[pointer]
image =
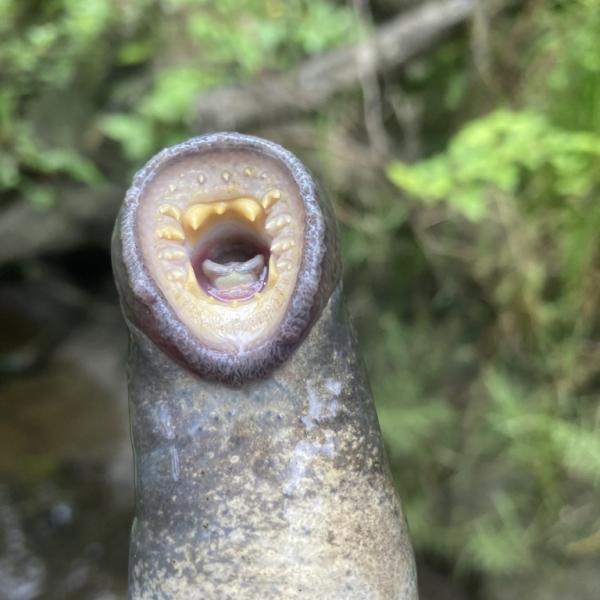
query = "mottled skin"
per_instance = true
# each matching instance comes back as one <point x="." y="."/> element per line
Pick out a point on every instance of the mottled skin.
<point x="275" y="487"/>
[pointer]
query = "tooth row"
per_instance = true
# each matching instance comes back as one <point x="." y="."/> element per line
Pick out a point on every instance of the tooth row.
<point x="170" y="211"/>
<point x="270" y="198"/>
<point x="276" y="223"/>
<point x="284" y="265"/>
<point x="282" y="244"/>
<point x="196" y="215"/>
<point x="172" y="255"/>
<point x="226" y="176"/>
<point x="170" y="233"/>
<point x="176" y="275"/>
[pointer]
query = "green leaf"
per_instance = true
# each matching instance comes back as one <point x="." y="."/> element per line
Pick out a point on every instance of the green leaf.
<point x="134" y="133"/>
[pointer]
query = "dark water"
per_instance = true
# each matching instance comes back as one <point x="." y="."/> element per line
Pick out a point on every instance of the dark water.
<point x="66" y="489"/>
<point x="65" y="461"/>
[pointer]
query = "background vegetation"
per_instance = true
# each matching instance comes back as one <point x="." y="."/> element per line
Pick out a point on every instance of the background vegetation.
<point x="466" y="182"/>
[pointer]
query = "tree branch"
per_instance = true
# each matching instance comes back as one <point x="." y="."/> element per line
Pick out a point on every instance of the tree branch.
<point x="81" y="215"/>
<point x="25" y="231"/>
<point x="312" y="84"/>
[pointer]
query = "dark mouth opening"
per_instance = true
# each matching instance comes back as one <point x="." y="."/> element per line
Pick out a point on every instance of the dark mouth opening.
<point x="231" y="262"/>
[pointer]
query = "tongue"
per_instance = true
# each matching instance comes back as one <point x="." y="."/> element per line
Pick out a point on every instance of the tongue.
<point x="233" y="279"/>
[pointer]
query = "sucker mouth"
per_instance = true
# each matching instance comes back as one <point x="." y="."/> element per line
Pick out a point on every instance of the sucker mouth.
<point x="225" y="245"/>
<point x="233" y="247"/>
<point x="225" y="254"/>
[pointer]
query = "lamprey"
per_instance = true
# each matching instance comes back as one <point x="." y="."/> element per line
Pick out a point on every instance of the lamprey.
<point x="260" y="469"/>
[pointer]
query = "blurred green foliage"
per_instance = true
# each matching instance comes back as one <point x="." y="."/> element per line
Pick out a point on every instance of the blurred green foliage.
<point x="54" y="38"/>
<point x="474" y="278"/>
<point x="507" y="216"/>
<point x="137" y="66"/>
<point x="506" y="152"/>
<point x="228" y="41"/>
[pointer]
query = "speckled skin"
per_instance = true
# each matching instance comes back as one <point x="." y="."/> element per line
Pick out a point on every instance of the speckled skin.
<point x="271" y="488"/>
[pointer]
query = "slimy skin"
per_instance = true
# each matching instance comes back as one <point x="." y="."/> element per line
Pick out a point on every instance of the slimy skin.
<point x="260" y="469"/>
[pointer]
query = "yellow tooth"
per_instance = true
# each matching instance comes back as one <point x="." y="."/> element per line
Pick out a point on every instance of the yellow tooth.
<point x="247" y="207"/>
<point x="282" y="244"/>
<point x="171" y="255"/>
<point x="201" y="178"/>
<point x="278" y="222"/>
<point x="170" y="233"/>
<point x="176" y="275"/>
<point x="172" y="187"/>
<point x="170" y="211"/>
<point x="284" y="265"/>
<point x="226" y="175"/>
<point x="270" y="198"/>
<point x="197" y="214"/>
<point x="248" y="172"/>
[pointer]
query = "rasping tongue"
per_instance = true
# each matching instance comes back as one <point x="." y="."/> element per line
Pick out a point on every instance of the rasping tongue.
<point x="235" y="280"/>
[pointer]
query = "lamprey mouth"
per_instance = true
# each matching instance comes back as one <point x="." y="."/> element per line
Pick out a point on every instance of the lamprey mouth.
<point x="231" y="259"/>
<point x="225" y="254"/>
<point x="222" y="235"/>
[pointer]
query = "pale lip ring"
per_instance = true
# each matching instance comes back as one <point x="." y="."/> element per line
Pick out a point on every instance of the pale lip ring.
<point x="147" y="307"/>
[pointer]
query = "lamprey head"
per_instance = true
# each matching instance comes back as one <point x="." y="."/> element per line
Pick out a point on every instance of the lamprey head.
<point x="221" y="233"/>
<point x="225" y="253"/>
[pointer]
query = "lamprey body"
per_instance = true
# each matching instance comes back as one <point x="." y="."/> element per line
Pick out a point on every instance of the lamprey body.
<point x="260" y="470"/>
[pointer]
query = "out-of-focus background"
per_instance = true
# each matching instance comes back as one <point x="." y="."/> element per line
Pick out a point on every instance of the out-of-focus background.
<point x="460" y="143"/>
